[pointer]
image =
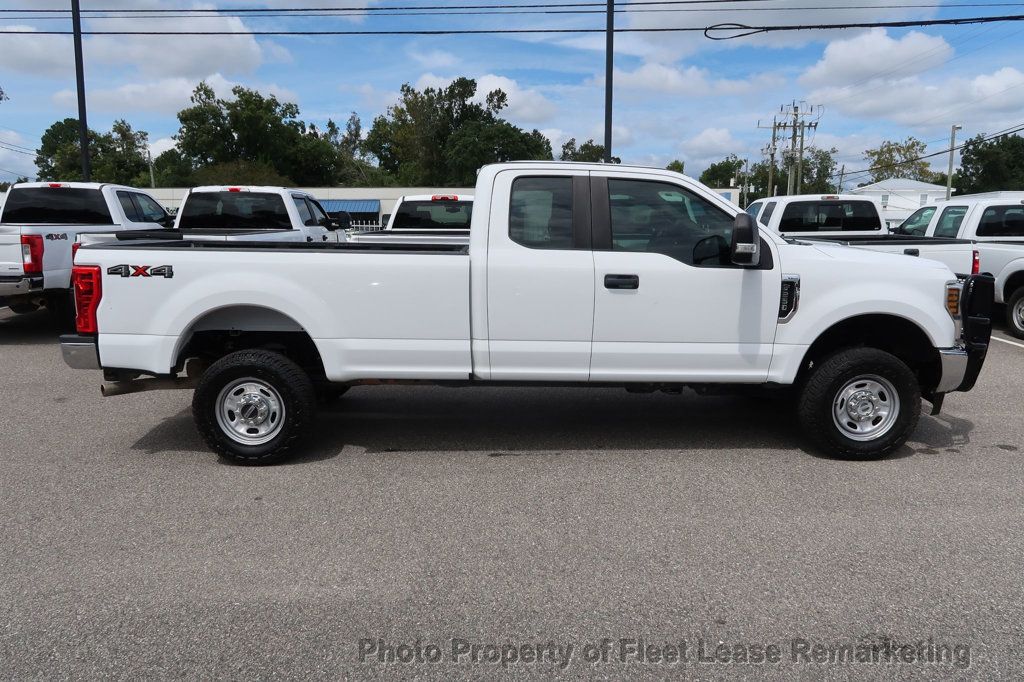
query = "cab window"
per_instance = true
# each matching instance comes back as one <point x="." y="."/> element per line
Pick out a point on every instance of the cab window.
<point x="657" y="217"/>
<point x="540" y="212"/>
<point x="830" y="216"/>
<point x="917" y="223"/>
<point x="304" y="214"/>
<point x="950" y="220"/>
<point x="1002" y="221"/>
<point x="149" y="210"/>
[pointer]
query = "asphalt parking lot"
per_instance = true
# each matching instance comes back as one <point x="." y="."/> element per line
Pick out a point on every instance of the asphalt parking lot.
<point x="506" y="517"/>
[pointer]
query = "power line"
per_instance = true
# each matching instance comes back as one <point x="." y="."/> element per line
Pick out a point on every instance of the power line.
<point x="301" y="10"/>
<point x="737" y="30"/>
<point x="18" y="151"/>
<point x="484" y="10"/>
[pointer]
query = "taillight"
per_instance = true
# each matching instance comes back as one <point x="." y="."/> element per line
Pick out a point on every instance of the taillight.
<point x="74" y="249"/>
<point x="976" y="263"/>
<point x="32" y="253"/>
<point x="445" y="197"/>
<point x="85" y="280"/>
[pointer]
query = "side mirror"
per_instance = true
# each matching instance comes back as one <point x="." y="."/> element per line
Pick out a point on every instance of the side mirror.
<point x="746" y="242"/>
<point x="166" y="221"/>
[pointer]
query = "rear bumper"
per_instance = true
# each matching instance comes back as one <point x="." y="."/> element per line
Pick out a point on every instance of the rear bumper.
<point x="19" y="285"/>
<point x="79" y="352"/>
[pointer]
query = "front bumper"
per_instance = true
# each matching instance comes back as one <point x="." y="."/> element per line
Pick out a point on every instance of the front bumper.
<point x="19" y="285"/>
<point x="79" y="352"/>
<point x="962" y="365"/>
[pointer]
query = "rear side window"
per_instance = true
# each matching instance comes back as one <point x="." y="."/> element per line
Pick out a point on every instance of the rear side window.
<point x="540" y="214"/>
<point x="61" y="205"/>
<point x="433" y="215"/>
<point x="754" y="209"/>
<point x="769" y="208"/>
<point x="128" y="206"/>
<point x="304" y="213"/>
<point x="949" y="221"/>
<point x="1002" y="221"/>
<point x="830" y="216"/>
<point x="234" y="211"/>
<point x="149" y="210"/>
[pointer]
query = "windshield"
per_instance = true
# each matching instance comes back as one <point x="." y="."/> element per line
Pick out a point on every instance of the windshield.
<point x="234" y="211"/>
<point x="60" y="205"/>
<point x="433" y="215"/>
<point x="830" y="216"/>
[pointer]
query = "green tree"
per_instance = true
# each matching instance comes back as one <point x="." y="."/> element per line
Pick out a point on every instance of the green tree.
<point x="588" y="151"/>
<point x="724" y="173"/>
<point x="898" y="160"/>
<point x="676" y="166"/>
<point x="5" y="185"/>
<point x="991" y="165"/>
<point x="414" y="141"/>
<point x="819" y="171"/>
<point x="118" y="156"/>
<point x="240" y="172"/>
<point x="172" y="169"/>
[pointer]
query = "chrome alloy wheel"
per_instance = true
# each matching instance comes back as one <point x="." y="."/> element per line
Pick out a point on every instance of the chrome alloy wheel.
<point x="250" y="411"/>
<point x="865" y="408"/>
<point x="1018" y="314"/>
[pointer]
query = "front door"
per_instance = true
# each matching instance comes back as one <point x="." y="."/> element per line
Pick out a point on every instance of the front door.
<point x="669" y="303"/>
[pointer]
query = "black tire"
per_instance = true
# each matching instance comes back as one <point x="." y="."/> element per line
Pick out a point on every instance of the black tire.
<point x="62" y="309"/>
<point x="291" y="384"/>
<point x="1015" y="313"/>
<point x="820" y="393"/>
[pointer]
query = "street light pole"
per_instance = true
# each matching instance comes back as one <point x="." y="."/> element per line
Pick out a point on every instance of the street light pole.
<point x="83" y="124"/>
<point x="609" y="60"/>
<point x="952" y="149"/>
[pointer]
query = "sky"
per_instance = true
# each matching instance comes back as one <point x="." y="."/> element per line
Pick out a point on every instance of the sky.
<point x="676" y="95"/>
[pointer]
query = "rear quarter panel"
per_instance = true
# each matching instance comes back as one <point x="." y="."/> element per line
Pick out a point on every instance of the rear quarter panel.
<point x="372" y="315"/>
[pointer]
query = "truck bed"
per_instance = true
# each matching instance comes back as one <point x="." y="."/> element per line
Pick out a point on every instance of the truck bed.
<point x="178" y="243"/>
<point x="956" y="254"/>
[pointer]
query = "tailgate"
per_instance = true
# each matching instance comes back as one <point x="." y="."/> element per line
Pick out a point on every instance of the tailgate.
<point x="10" y="252"/>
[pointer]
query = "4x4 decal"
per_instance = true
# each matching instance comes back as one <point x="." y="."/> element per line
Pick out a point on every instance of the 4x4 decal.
<point x="141" y="271"/>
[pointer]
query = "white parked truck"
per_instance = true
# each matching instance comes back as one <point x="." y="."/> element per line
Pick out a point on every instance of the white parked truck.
<point x="856" y="221"/>
<point x="575" y="274"/>
<point x="996" y="224"/>
<point x="236" y="213"/>
<point x="39" y="223"/>
<point x="424" y="219"/>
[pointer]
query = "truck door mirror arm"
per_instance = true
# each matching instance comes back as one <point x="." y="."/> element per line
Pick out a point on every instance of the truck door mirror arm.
<point x="746" y="242"/>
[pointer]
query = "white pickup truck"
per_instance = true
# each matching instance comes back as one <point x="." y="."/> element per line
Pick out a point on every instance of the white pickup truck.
<point x="996" y="224"/>
<point x="424" y="219"/>
<point x="856" y="221"/>
<point x="575" y="274"/>
<point x="40" y="221"/>
<point x="235" y="213"/>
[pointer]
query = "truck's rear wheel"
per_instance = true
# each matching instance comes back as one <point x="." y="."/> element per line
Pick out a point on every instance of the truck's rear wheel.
<point x="253" y="406"/>
<point x="860" y="403"/>
<point x="1015" y="313"/>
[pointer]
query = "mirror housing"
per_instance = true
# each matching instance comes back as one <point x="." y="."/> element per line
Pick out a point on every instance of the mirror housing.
<point x="341" y="221"/>
<point x="746" y="242"/>
<point x="166" y="221"/>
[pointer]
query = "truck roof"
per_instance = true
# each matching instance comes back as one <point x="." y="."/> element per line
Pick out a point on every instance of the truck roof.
<point x="820" y="197"/>
<point x="74" y="185"/>
<point x="436" y="197"/>
<point x="247" y="188"/>
<point x="1002" y="198"/>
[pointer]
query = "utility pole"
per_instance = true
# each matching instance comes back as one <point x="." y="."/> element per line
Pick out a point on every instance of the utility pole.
<point x="794" y="121"/>
<point x="152" y="177"/>
<point x="842" y="173"/>
<point x="791" y="176"/>
<point x="745" y="180"/>
<point x="609" y="61"/>
<point x="83" y="124"/>
<point x="770" y="151"/>
<point x="952" y="150"/>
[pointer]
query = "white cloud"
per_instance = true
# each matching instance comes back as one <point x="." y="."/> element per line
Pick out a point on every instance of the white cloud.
<point x="158" y="147"/>
<point x="27" y="53"/>
<point x="874" y="54"/>
<point x="15" y="163"/>
<point x="433" y="59"/>
<point x="688" y="80"/>
<point x="525" y="105"/>
<point x="711" y="143"/>
<point x="167" y="95"/>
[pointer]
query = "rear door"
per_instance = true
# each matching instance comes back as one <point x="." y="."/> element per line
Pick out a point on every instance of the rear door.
<point x="540" y="276"/>
<point x="669" y="303"/>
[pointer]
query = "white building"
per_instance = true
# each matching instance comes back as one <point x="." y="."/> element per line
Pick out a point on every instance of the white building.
<point x="901" y="196"/>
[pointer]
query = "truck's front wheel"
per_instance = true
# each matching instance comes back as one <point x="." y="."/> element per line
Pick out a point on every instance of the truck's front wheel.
<point x="253" y="406"/>
<point x="860" y="403"/>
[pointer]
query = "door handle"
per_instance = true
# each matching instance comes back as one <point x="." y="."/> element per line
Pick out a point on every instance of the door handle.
<point x="912" y="252"/>
<point x="621" y="281"/>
